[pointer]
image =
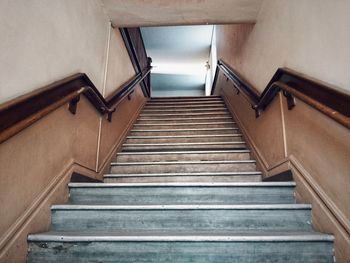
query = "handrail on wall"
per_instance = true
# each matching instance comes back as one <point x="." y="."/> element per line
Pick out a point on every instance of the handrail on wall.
<point x="329" y="100"/>
<point x="23" y="111"/>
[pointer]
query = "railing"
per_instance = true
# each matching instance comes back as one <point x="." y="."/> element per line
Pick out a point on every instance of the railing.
<point x="329" y="100"/>
<point x="21" y="112"/>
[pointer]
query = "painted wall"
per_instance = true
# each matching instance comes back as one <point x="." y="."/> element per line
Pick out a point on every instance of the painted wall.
<point x="309" y="37"/>
<point x="41" y="43"/>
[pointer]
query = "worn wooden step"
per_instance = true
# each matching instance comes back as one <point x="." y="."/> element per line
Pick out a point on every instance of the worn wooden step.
<point x="185" y="115"/>
<point x="184" y="177"/>
<point x="182" y="193"/>
<point x="183" y="156"/>
<point x="181" y="125"/>
<point x="178" y="103"/>
<point x="172" y="99"/>
<point x="184" y="166"/>
<point x="184" y="138"/>
<point x="157" y="247"/>
<point x="183" y="107"/>
<point x="147" y="120"/>
<point x="188" y="110"/>
<point x="184" y="146"/>
<point x="186" y="131"/>
<point x="265" y="217"/>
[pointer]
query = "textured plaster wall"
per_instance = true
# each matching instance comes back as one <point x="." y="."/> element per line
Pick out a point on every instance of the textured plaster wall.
<point x="43" y="41"/>
<point x="310" y="36"/>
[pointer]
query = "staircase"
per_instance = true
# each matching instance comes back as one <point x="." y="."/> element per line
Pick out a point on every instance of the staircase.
<point x="183" y="189"/>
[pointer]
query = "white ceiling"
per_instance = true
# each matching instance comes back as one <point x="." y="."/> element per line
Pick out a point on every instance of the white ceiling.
<point x="128" y="13"/>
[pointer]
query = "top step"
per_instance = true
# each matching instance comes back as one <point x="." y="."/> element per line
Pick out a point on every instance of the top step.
<point x="203" y="98"/>
<point x="198" y="102"/>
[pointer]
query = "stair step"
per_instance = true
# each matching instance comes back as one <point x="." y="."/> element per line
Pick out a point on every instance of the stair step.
<point x="186" y="145"/>
<point x="178" y="103"/>
<point x="185" y="120"/>
<point x="213" y="110"/>
<point x="185" y="106"/>
<point x="198" y="98"/>
<point x="187" y="131"/>
<point x="184" y="138"/>
<point x="160" y="247"/>
<point x="182" y="193"/>
<point x="184" y="166"/>
<point x="265" y="217"/>
<point x="183" y="125"/>
<point x="184" y="177"/>
<point x="185" y="115"/>
<point x="183" y="156"/>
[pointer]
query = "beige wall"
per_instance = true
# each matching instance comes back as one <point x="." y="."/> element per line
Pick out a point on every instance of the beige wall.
<point x="42" y="43"/>
<point x="310" y="37"/>
<point x="117" y="72"/>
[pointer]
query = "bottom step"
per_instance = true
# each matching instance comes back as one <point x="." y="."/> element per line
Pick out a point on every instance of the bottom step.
<point x="184" y="177"/>
<point x="166" y="247"/>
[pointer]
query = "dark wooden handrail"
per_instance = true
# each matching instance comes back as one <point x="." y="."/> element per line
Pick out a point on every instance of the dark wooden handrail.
<point x="328" y="99"/>
<point x="23" y="111"/>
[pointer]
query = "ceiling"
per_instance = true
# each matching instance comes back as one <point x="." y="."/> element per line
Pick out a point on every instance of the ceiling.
<point x="179" y="55"/>
<point x="129" y="13"/>
<point x="177" y="44"/>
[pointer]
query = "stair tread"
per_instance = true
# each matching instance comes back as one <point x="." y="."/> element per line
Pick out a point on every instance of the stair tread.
<point x="183" y="174"/>
<point x="185" y="207"/>
<point x="217" y="235"/>
<point x="185" y="152"/>
<point x="179" y="184"/>
<point x="181" y="143"/>
<point x="184" y="123"/>
<point x="182" y="136"/>
<point x="182" y="162"/>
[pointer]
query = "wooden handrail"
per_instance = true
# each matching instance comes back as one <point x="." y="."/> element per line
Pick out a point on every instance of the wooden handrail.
<point x="330" y="100"/>
<point x="23" y="111"/>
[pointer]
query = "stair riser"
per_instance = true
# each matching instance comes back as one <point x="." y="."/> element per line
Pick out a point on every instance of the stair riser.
<point x="185" y="252"/>
<point x="182" y="120"/>
<point x="184" y="126"/>
<point x="181" y="132"/>
<point x="183" y="157"/>
<point x="173" y="168"/>
<point x="187" y="140"/>
<point x="181" y="195"/>
<point x="182" y="220"/>
<point x="161" y="179"/>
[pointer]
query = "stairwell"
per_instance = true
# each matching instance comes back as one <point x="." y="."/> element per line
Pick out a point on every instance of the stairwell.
<point x="184" y="188"/>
